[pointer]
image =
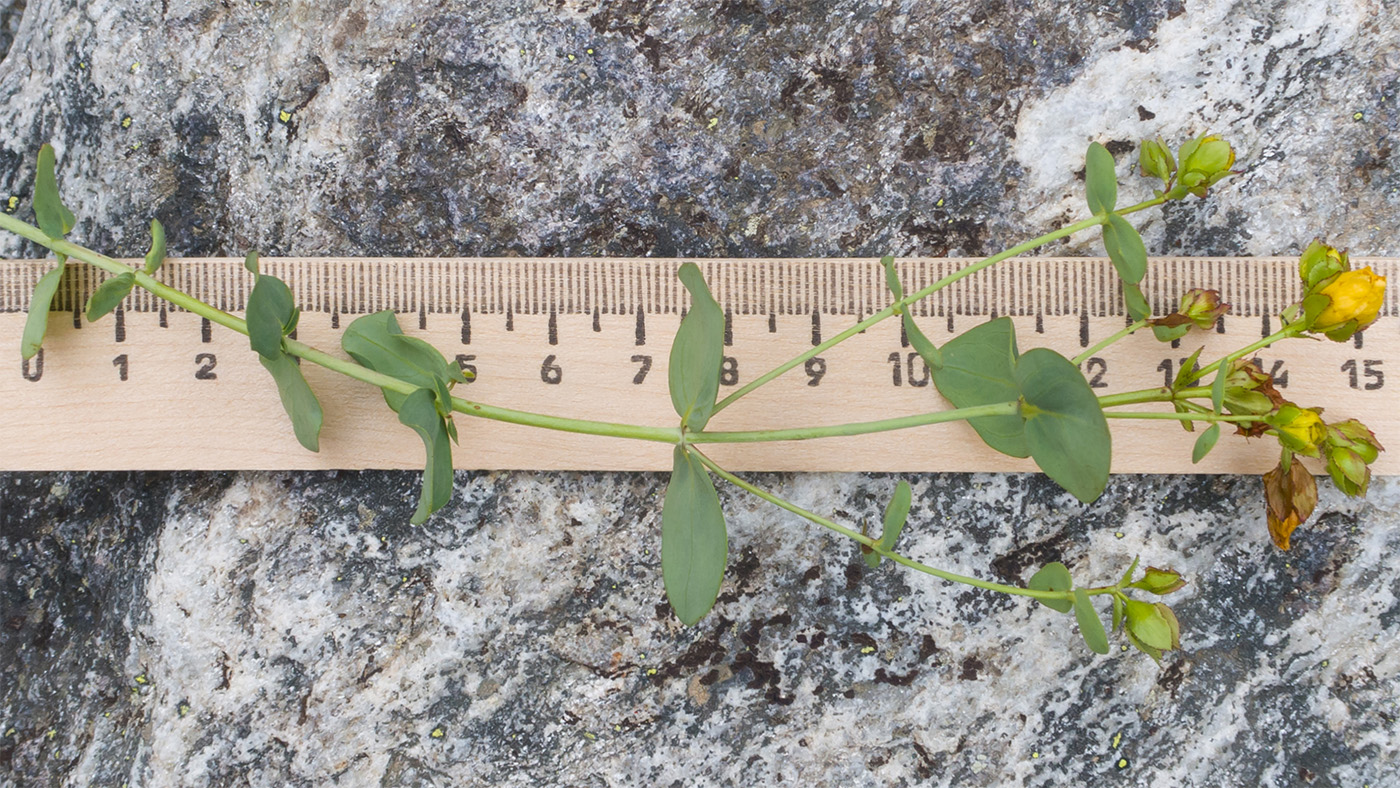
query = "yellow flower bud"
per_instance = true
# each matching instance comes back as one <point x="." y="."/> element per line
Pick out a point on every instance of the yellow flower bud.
<point x="1300" y="430"/>
<point x="1355" y="296"/>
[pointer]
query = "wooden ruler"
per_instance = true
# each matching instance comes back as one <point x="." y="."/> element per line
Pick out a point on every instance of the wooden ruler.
<point x="153" y="387"/>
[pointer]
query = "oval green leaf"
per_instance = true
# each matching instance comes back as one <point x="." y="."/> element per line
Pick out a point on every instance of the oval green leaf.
<point x="1065" y="428"/>
<point x="109" y="294"/>
<point x="156" y="256"/>
<point x="696" y="354"/>
<point x="1090" y="625"/>
<point x="270" y="311"/>
<point x="1053" y="576"/>
<point x="419" y="412"/>
<point x="37" y="321"/>
<point x="1100" y="179"/>
<point x="694" y="542"/>
<point x="297" y="399"/>
<point x="1205" y="443"/>
<point x="979" y="368"/>
<point x="1125" y="249"/>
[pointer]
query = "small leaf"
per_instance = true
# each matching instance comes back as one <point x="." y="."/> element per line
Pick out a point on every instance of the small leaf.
<point x="1117" y="613"/>
<point x="109" y="294"/>
<point x="1100" y="180"/>
<point x="892" y="281"/>
<point x="896" y="515"/>
<point x="1204" y="443"/>
<point x="1128" y="575"/>
<point x="156" y="257"/>
<point x="37" y="321"/>
<point x="694" y="543"/>
<point x="979" y="368"/>
<point x="696" y="354"/>
<point x="250" y="261"/>
<point x="926" y="349"/>
<point x="419" y="412"/>
<point x="271" y="312"/>
<point x="1217" y="388"/>
<point x="53" y="217"/>
<point x="1125" y="249"/>
<point x="297" y="399"/>
<point x="1187" y="373"/>
<point x="1065" y="427"/>
<point x="1053" y="577"/>
<point x="1090" y="625"/>
<point x="377" y="342"/>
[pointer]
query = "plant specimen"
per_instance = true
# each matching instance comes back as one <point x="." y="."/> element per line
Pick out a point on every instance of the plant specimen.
<point x="1033" y="404"/>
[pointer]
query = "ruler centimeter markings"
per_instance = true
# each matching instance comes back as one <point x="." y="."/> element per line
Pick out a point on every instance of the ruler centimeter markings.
<point x="155" y="387"/>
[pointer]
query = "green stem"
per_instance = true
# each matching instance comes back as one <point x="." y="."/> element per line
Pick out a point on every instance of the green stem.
<point x="1286" y="332"/>
<point x="874" y="544"/>
<point x="1202" y="416"/>
<point x="1082" y="357"/>
<point x="855" y="428"/>
<point x="344" y="367"/>
<point x="1159" y="394"/>
<point x="1030" y="245"/>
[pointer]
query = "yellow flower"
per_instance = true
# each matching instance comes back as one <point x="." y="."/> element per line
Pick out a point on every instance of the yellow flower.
<point x="1355" y="296"/>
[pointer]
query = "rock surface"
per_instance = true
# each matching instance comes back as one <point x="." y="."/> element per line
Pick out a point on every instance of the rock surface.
<point x="292" y="629"/>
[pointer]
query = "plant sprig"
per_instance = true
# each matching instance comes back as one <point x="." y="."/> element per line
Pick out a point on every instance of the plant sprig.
<point x="1034" y="404"/>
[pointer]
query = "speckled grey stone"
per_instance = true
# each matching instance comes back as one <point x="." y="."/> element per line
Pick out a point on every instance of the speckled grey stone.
<point x="292" y="629"/>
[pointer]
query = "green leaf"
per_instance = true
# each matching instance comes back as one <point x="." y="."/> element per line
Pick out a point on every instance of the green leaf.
<point x="1136" y="302"/>
<point x="37" y="322"/>
<point x="979" y="368"/>
<point x="896" y="515"/>
<point x="1053" y="577"/>
<point x="694" y="544"/>
<point x="926" y="349"/>
<point x="377" y="342"/>
<point x="297" y="398"/>
<point x="892" y="281"/>
<point x="1100" y="180"/>
<point x="1125" y="249"/>
<point x="419" y="412"/>
<point x="109" y="294"/>
<point x="1187" y="373"/>
<point x="53" y="216"/>
<point x="250" y="261"/>
<point x="1090" y="625"/>
<point x="1117" y="613"/>
<point x="1065" y="427"/>
<point x="271" y="315"/>
<point x="156" y="257"/>
<point x="1217" y="388"/>
<point x="696" y="355"/>
<point x="1205" y="443"/>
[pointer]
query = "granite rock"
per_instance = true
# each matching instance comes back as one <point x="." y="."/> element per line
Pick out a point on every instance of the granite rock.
<point x="292" y="629"/>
